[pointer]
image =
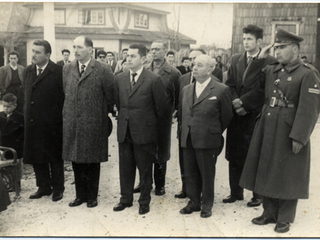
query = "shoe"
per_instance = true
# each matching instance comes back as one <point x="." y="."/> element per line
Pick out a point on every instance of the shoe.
<point x="144" y="208"/>
<point x="41" y="193"/>
<point x="120" y="206"/>
<point x="181" y="195"/>
<point x="160" y="191"/>
<point x="56" y="196"/>
<point x="282" y="227"/>
<point x="232" y="199"/>
<point x="92" y="203"/>
<point x="189" y="209"/>
<point x="254" y="202"/>
<point x="137" y="189"/>
<point x="205" y="214"/>
<point x="77" y="202"/>
<point x="263" y="220"/>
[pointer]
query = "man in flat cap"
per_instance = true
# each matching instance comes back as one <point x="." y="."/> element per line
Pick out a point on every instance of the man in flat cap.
<point x="278" y="161"/>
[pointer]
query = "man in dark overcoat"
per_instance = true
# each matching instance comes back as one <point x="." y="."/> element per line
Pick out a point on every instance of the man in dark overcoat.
<point x="43" y="121"/>
<point x="142" y="103"/>
<point x="88" y="86"/>
<point x="247" y="104"/>
<point x="206" y="111"/>
<point x="278" y="162"/>
<point x="170" y="77"/>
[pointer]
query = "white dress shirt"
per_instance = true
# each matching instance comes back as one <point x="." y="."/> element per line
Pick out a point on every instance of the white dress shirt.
<point x="200" y="87"/>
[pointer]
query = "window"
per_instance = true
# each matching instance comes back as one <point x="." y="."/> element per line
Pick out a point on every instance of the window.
<point x="60" y="16"/>
<point x="91" y="16"/>
<point x="141" y="20"/>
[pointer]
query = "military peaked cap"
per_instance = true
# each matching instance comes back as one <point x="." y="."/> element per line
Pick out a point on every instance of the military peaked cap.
<point x="285" y="38"/>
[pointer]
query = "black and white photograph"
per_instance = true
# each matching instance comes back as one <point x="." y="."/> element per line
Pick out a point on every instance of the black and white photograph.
<point x="159" y="119"/>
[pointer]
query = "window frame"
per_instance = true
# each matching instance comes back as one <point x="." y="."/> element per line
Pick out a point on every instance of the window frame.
<point x="141" y="14"/>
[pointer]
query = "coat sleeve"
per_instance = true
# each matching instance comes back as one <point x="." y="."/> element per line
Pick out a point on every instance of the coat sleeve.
<point x="116" y="93"/>
<point x="307" y="110"/>
<point x="231" y="82"/>
<point x="226" y="112"/>
<point x="108" y="87"/>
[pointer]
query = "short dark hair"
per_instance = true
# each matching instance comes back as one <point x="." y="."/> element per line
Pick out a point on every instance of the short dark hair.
<point x="88" y="42"/>
<point x="198" y="49"/>
<point x="101" y="51"/>
<point x="65" y="50"/>
<point x="13" y="53"/>
<point x="10" y="98"/>
<point x="185" y="58"/>
<point x="142" y="50"/>
<point x="45" y="44"/>
<point x="170" y="53"/>
<point x="253" y="30"/>
<point x="125" y="49"/>
<point x="110" y="53"/>
<point x="304" y="57"/>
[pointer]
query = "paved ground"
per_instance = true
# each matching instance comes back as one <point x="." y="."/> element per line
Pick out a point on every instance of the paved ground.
<point x="43" y="217"/>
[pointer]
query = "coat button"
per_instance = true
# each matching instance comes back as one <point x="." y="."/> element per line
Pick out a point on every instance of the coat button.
<point x="269" y="114"/>
<point x="282" y="70"/>
<point x="32" y="103"/>
<point x="274" y="91"/>
<point x="31" y="120"/>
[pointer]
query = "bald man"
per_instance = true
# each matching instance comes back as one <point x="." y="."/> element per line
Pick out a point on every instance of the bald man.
<point x="206" y="111"/>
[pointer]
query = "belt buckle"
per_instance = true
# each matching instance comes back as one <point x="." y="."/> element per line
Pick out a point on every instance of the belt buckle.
<point x="273" y="102"/>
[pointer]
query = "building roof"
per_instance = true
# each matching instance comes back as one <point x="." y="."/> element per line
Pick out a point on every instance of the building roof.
<point x="111" y="33"/>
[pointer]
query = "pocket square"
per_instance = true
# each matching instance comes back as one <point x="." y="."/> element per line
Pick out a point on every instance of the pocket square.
<point x="212" y="98"/>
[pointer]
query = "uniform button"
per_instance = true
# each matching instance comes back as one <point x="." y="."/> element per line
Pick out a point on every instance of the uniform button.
<point x="282" y="70"/>
<point x="269" y="114"/>
<point x="31" y="120"/>
<point x="32" y="103"/>
<point x="274" y="91"/>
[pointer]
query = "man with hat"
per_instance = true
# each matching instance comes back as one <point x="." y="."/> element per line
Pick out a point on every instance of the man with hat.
<point x="278" y="167"/>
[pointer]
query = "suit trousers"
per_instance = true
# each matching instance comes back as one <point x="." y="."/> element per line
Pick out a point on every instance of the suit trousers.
<point x="86" y="177"/>
<point x="235" y="171"/>
<point x="132" y="155"/>
<point x="200" y="170"/>
<point x="50" y="175"/>
<point x="160" y="170"/>
<point x="281" y="210"/>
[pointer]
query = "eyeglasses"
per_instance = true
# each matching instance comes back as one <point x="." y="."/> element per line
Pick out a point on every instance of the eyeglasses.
<point x="102" y="57"/>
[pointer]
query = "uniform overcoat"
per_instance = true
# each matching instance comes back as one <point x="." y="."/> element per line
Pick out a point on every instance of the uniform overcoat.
<point x="271" y="168"/>
<point x="88" y="100"/>
<point x="170" y="78"/>
<point x="43" y="114"/>
<point x="241" y="127"/>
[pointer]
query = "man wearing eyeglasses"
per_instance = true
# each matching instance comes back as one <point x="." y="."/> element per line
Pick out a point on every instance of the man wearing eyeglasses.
<point x="102" y="56"/>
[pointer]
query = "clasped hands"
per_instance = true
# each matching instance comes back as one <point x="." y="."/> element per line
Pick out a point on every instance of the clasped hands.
<point x="237" y="105"/>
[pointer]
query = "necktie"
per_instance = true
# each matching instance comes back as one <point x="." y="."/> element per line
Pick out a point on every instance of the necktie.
<point x="249" y="60"/>
<point x="133" y="82"/>
<point x="82" y="69"/>
<point x="8" y="117"/>
<point x="40" y="71"/>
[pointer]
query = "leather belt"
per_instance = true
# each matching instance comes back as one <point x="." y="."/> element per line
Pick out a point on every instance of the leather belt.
<point x="276" y="102"/>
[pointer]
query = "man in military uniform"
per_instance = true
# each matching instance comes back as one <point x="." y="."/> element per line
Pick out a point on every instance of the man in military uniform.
<point x="278" y="161"/>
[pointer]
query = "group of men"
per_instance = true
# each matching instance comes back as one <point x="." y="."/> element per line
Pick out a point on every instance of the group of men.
<point x="66" y="118"/>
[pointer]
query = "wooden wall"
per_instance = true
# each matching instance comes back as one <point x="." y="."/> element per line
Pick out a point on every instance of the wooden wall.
<point x="264" y="14"/>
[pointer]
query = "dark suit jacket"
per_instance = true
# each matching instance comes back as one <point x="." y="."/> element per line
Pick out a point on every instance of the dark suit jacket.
<point x="217" y="72"/>
<point x="6" y="77"/>
<point x="183" y="70"/>
<point x="142" y="109"/>
<point x="61" y="63"/>
<point x="207" y="117"/>
<point x="241" y="127"/>
<point x="43" y="114"/>
<point x="12" y="131"/>
<point x="170" y="77"/>
<point x="113" y="66"/>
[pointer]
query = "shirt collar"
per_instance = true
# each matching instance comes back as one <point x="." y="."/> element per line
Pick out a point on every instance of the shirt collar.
<point x="13" y="67"/>
<point x="204" y="84"/>
<point x="43" y="68"/>
<point x="86" y="64"/>
<point x="137" y="72"/>
<point x="254" y="55"/>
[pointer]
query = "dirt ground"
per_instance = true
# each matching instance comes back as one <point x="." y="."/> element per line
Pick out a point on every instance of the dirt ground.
<point x="42" y="217"/>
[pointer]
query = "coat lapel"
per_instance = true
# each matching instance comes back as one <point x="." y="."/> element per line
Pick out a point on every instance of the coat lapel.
<point x="241" y="67"/>
<point x="189" y="93"/>
<point x="75" y="70"/>
<point x="206" y="92"/>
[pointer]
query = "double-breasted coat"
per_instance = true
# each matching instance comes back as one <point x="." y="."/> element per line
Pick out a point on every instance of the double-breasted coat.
<point x="88" y="100"/>
<point x="271" y="168"/>
<point x="170" y="78"/>
<point x="43" y="114"/>
<point x="240" y="129"/>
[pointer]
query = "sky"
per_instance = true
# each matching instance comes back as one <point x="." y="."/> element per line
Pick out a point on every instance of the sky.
<point x="207" y="23"/>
